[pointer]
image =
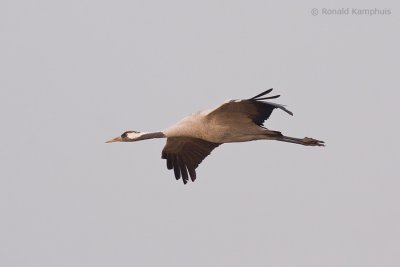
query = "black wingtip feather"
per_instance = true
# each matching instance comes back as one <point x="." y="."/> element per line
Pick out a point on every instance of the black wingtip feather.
<point x="183" y="169"/>
<point x="263" y="93"/>
<point x="177" y="170"/>
<point x="192" y="173"/>
<point x="269" y="97"/>
<point x="169" y="164"/>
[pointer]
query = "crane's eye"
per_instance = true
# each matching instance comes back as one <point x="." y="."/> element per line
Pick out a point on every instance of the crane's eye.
<point x="125" y="134"/>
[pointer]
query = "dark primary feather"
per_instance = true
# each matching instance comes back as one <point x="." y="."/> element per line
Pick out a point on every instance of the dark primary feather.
<point x="184" y="154"/>
<point x="258" y="97"/>
<point x="270" y="97"/>
<point x="263" y="93"/>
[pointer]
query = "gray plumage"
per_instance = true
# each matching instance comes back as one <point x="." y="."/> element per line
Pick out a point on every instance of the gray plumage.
<point x="193" y="138"/>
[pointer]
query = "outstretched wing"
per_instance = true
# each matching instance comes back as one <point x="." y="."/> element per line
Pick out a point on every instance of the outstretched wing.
<point x="184" y="154"/>
<point x="252" y="109"/>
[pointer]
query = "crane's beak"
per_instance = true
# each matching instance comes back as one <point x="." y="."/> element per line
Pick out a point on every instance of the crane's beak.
<point x="116" y="139"/>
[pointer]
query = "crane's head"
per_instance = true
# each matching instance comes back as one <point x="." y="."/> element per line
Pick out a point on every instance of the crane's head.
<point x="128" y="136"/>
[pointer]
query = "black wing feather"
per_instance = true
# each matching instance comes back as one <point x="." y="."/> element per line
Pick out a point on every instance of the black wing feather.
<point x="264" y="109"/>
<point x="258" y="97"/>
<point x="263" y="93"/>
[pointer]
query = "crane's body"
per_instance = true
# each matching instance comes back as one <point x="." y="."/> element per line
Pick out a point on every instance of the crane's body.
<point x="191" y="139"/>
<point x="199" y="125"/>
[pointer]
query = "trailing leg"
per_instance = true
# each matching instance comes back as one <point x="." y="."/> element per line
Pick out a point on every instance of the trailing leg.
<point x="306" y="141"/>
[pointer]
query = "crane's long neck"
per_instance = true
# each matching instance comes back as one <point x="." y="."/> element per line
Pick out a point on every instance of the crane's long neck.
<point x="151" y="135"/>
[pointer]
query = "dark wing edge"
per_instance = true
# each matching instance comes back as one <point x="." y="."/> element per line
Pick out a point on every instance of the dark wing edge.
<point x="265" y="108"/>
<point x="184" y="154"/>
<point x="258" y="97"/>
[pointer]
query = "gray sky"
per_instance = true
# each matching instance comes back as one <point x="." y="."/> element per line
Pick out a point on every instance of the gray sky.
<point x="76" y="73"/>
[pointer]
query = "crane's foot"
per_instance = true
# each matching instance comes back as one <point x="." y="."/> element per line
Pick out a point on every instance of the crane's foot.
<point x="307" y="141"/>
